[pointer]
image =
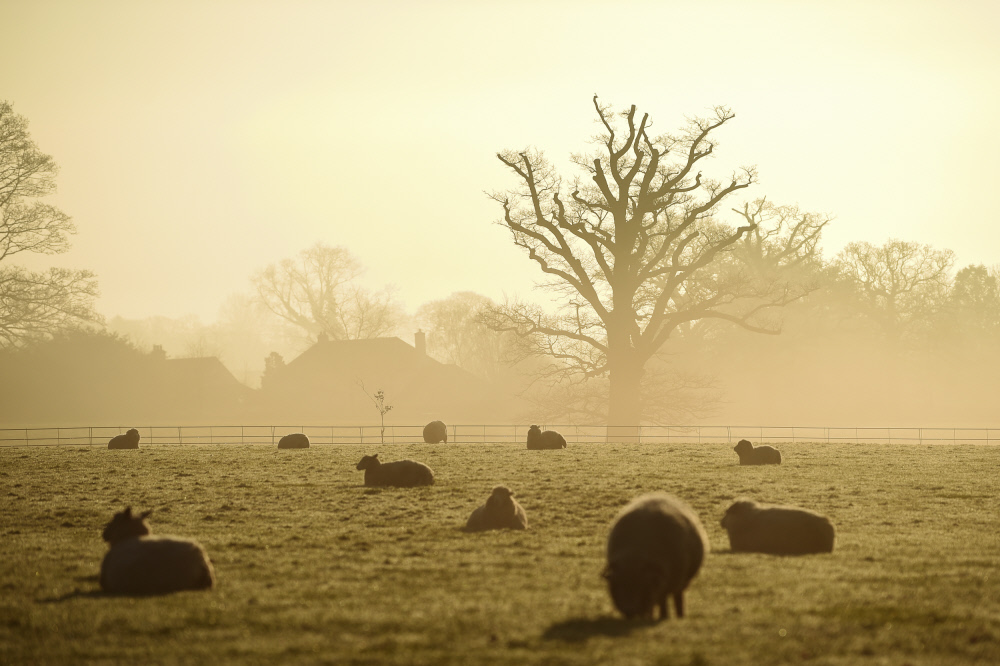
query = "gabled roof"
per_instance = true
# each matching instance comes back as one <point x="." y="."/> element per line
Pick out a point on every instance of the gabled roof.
<point x="325" y="382"/>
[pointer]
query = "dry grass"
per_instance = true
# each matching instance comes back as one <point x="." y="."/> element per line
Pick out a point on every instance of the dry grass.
<point x="315" y="568"/>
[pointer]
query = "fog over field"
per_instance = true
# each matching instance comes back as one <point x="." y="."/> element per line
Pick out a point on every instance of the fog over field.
<point x="807" y="236"/>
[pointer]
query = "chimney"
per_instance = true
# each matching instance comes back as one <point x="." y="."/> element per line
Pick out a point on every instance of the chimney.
<point x="420" y="342"/>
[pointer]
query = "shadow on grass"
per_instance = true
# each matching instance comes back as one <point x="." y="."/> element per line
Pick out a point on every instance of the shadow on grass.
<point x="95" y="593"/>
<point x="75" y="594"/>
<point x="578" y="630"/>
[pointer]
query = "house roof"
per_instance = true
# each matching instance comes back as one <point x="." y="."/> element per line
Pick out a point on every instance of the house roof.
<point x="327" y="379"/>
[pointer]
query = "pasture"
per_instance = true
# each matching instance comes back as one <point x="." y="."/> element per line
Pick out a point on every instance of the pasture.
<point x="315" y="568"/>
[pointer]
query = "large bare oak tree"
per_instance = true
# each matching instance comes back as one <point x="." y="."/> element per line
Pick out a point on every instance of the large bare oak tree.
<point x="638" y="249"/>
<point x="33" y="304"/>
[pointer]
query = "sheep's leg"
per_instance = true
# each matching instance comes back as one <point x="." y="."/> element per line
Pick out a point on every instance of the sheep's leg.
<point x="664" y="610"/>
<point x="679" y="603"/>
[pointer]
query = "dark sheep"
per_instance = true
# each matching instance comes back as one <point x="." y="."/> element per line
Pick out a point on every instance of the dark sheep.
<point x="757" y="455"/>
<point x="400" y="473"/>
<point x="296" y="440"/>
<point x="778" y="530"/>
<point x="550" y="439"/>
<point x="139" y="563"/>
<point x="501" y="511"/>
<point x="656" y="546"/>
<point x="436" y="432"/>
<point x="130" y="440"/>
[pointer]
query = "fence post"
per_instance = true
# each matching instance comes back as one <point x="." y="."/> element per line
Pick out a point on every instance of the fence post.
<point x="361" y="434"/>
<point x="25" y="436"/>
<point x="241" y="435"/>
<point x="180" y="437"/>
<point x="91" y="433"/>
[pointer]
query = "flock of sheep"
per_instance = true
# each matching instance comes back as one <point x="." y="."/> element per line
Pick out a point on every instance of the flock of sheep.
<point x="655" y="548"/>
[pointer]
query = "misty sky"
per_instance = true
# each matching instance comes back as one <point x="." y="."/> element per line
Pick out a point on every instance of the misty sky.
<point x="199" y="141"/>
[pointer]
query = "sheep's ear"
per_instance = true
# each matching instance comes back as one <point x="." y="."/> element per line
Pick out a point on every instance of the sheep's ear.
<point x="606" y="572"/>
<point x="145" y="514"/>
<point x="127" y="512"/>
<point x="375" y="456"/>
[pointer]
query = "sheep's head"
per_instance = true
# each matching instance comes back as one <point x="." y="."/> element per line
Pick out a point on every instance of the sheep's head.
<point x="635" y="586"/>
<point x="500" y="500"/>
<point x="743" y="446"/>
<point x="738" y="508"/>
<point x="369" y="462"/>
<point x="133" y="433"/>
<point x="125" y="526"/>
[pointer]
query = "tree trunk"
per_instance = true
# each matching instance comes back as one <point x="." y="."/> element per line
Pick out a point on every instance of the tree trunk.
<point x="625" y="399"/>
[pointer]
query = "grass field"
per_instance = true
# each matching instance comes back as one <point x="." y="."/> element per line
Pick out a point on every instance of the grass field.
<point x="315" y="568"/>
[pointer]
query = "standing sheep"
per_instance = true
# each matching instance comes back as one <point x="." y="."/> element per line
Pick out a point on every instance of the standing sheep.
<point x="130" y="440"/>
<point x="400" y="473"/>
<point x="436" y="432"/>
<point x="655" y="548"/>
<point x="759" y="455"/>
<point x="550" y="439"/>
<point x="778" y="530"/>
<point x="501" y="511"/>
<point x="138" y="563"/>
<point x="295" y="440"/>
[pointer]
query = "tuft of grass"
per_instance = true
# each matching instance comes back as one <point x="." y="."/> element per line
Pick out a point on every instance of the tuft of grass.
<point x="315" y="568"/>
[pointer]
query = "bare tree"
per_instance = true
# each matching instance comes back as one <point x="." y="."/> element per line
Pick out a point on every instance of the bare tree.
<point x="638" y="251"/>
<point x="33" y="304"/>
<point x="316" y="292"/>
<point x="902" y="284"/>
<point x="456" y="334"/>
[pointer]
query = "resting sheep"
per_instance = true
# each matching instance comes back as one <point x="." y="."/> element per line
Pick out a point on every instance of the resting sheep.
<point x="436" y="432"/>
<point x="130" y="440"/>
<point x="550" y="439"/>
<point x="756" y="455"/>
<point x="400" y="473"/>
<point x="778" y="530"/>
<point x="138" y="563"/>
<point x="501" y="511"/>
<point x="655" y="548"/>
<point x="296" y="440"/>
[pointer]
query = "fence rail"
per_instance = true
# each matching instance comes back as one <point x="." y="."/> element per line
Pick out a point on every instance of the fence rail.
<point x="479" y="434"/>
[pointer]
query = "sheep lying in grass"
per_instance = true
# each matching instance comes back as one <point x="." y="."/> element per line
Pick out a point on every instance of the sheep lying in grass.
<point x="778" y="530"/>
<point x="130" y="440"/>
<point x="436" y="432"/>
<point x="138" y="563"/>
<point x="757" y="455"/>
<point x="501" y="511"/>
<point x="550" y="439"/>
<point x="400" y="473"/>
<point x="295" y="440"/>
<point x="655" y="548"/>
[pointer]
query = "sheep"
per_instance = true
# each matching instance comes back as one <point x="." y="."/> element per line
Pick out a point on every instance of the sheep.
<point x="295" y="440"/>
<point x="501" y="511"/>
<point x="130" y="440"/>
<point x="550" y="439"/>
<point x="400" y="473"/>
<point x="436" y="432"/>
<point x="656" y="546"/>
<point x="778" y="530"/>
<point x="139" y="563"/>
<point x="757" y="455"/>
